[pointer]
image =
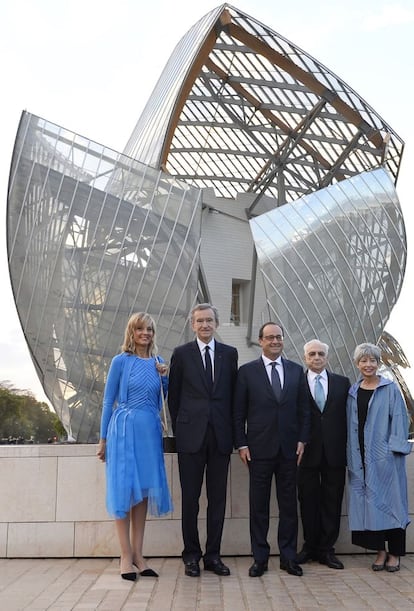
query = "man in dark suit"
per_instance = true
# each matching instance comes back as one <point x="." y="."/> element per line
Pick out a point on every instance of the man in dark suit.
<point x="321" y="475"/>
<point x="272" y="401"/>
<point x="202" y="378"/>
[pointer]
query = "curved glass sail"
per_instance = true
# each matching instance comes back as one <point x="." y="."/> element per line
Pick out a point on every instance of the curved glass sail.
<point x="333" y="264"/>
<point x="94" y="236"/>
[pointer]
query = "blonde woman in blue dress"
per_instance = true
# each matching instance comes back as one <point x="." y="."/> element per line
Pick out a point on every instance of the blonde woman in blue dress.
<point x="131" y="442"/>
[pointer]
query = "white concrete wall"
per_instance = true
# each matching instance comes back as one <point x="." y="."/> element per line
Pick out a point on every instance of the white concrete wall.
<point x="226" y="254"/>
<point x="52" y="505"/>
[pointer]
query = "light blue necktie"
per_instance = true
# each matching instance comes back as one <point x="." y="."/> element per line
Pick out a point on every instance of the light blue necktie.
<point x="319" y="393"/>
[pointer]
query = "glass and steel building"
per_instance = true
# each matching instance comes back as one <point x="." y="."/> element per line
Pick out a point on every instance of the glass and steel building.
<point x="255" y="179"/>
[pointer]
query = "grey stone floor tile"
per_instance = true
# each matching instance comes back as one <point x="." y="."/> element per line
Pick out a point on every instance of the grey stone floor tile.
<point x="95" y="584"/>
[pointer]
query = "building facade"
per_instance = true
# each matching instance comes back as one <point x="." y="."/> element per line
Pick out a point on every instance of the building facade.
<point x="255" y="179"/>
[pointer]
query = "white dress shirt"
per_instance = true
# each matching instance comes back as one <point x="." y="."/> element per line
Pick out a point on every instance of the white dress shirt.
<point x="323" y="379"/>
<point x="279" y="368"/>
<point x="202" y="347"/>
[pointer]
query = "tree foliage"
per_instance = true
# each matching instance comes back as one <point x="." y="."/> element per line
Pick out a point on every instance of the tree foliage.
<point x="25" y="419"/>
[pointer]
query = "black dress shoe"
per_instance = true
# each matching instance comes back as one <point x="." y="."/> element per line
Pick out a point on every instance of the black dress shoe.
<point x="331" y="560"/>
<point x="257" y="569"/>
<point x="192" y="568"/>
<point x="292" y="567"/>
<point x="217" y="567"/>
<point x="129" y="576"/>
<point x="304" y="556"/>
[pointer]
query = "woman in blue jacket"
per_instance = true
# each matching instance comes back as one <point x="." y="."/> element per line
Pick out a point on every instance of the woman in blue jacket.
<point x="378" y="425"/>
<point x="131" y="441"/>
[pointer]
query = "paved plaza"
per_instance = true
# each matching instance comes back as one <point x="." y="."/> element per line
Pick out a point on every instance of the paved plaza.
<point x="67" y="584"/>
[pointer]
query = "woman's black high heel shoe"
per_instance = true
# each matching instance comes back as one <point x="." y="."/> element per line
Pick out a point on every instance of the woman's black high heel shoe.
<point x="132" y="576"/>
<point x="148" y="573"/>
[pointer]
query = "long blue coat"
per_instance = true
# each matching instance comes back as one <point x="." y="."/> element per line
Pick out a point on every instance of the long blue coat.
<point x="378" y="501"/>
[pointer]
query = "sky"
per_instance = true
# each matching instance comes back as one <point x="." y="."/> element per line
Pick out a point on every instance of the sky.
<point x="91" y="65"/>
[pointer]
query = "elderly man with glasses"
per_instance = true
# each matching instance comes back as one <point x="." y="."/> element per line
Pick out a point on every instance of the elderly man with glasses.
<point x="321" y="475"/>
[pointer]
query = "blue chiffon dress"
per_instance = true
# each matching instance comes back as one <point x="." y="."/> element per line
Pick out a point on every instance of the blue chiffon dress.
<point x="131" y="425"/>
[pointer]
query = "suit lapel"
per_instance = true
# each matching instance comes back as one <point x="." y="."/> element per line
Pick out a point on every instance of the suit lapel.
<point x="286" y="377"/>
<point x="331" y="390"/>
<point x="198" y="361"/>
<point x="311" y="399"/>
<point x="262" y="373"/>
<point x="218" y="362"/>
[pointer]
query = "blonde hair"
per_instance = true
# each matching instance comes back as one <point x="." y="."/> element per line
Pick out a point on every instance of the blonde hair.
<point x="137" y="320"/>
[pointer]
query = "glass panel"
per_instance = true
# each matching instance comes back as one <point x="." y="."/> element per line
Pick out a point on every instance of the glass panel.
<point x="92" y="237"/>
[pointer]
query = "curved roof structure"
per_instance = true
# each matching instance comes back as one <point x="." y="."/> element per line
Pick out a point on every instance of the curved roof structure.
<point x="255" y="179"/>
<point x="241" y="109"/>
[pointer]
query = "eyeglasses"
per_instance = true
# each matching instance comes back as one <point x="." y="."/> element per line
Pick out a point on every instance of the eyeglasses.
<point x="314" y="353"/>
<point x="201" y="321"/>
<point x="271" y="338"/>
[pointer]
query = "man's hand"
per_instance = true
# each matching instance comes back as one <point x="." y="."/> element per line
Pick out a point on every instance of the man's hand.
<point x="244" y="454"/>
<point x="299" y="451"/>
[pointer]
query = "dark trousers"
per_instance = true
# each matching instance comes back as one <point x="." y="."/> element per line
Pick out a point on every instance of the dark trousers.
<point x="261" y="476"/>
<point x="192" y="467"/>
<point x="376" y="539"/>
<point x="320" y="492"/>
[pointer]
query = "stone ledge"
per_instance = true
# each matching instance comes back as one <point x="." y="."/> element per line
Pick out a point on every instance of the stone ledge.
<point x="54" y="506"/>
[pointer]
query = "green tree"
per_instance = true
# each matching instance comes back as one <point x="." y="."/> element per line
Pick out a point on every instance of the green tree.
<point x="21" y="416"/>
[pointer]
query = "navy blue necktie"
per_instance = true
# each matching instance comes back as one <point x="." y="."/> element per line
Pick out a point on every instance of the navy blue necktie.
<point x="208" y="366"/>
<point x="277" y="389"/>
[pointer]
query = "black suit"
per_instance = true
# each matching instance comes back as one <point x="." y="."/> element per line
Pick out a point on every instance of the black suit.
<point x="321" y="475"/>
<point x="272" y="434"/>
<point x="202" y="423"/>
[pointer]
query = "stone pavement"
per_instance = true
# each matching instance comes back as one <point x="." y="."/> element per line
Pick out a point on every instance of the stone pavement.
<point x="67" y="584"/>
